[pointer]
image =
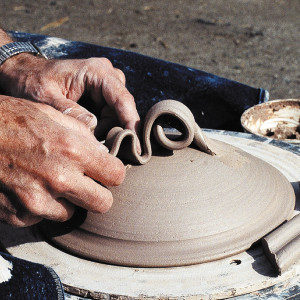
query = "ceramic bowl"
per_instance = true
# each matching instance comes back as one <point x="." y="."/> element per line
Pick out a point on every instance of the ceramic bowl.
<point x="277" y="119"/>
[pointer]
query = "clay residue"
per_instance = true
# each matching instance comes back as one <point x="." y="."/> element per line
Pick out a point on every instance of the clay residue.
<point x="282" y="132"/>
<point x="229" y="156"/>
<point x="278" y="119"/>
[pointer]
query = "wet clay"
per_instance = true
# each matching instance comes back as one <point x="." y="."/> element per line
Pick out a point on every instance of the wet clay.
<point x="192" y="133"/>
<point x="282" y="246"/>
<point x="278" y="119"/>
<point x="283" y="132"/>
<point x="200" y="201"/>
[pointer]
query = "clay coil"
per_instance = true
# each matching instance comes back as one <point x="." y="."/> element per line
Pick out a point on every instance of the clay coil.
<point x="282" y="246"/>
<point x="192" y="133"/>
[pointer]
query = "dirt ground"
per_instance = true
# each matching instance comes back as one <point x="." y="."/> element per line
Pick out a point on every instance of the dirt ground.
<point x="252" y="41"/>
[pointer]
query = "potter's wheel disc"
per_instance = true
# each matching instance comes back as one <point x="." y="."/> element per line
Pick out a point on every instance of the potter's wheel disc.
<point x="184" y="209"/>
<point x="243" y="273"/>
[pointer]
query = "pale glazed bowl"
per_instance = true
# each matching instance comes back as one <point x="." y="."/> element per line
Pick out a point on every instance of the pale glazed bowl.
<point x="191" y="205"/>
<point x="278" y="119"/>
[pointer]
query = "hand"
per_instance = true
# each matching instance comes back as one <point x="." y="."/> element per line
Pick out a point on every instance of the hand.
<point x="61" y="83"/>
<point x="48" y="163"/>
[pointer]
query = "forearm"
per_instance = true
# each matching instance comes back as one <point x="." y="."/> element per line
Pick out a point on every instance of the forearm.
<point x="11" y="69"/>
<point x="4" y="38"/>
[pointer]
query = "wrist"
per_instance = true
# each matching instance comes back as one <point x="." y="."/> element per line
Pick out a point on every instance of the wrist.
<point x="16" y="69"/>
<point x="10" y="55"/>
<point x="4" y="38"/>
<point x="16" y="60"/>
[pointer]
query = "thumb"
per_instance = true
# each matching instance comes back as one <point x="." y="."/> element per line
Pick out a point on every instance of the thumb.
<point x="72" y="109"/>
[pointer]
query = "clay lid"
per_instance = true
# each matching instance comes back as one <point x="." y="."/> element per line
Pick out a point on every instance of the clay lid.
<point x="201" y="202"/>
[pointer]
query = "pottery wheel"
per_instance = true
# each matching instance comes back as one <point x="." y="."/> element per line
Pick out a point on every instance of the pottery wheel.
<point x="191" y="205"/>
<point x="239" y="274"/>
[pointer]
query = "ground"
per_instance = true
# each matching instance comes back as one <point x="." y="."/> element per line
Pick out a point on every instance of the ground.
<point x="252" y="41"/>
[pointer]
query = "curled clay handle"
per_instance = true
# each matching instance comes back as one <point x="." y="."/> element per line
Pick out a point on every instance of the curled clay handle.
<point x="192" y="132"/>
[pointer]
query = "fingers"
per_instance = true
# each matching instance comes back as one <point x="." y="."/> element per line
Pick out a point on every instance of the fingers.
<point x="78" y="189"/>
<point x="10" y="215"/>
<point x="64" y="119"/>
<point x="18" y="221"/>
<point x="70" y="123"/>
<point x="57" y="202"/>
<point x="48" y="208"/>
<point x="85" y="192"/>
<point x="44" y="204"/>
<point x="122" y="101"/>
<point x="113" y="90"/>
<point x="104" y="167"/>
<point x="71" y="108"/>
<point x="118" y="97"/>
<point x="108" y="119"/>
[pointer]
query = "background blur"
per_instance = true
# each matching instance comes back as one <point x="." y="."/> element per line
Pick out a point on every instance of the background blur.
<point x="252" y="41"/>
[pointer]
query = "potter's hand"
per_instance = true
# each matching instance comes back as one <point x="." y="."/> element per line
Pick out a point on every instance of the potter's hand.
<point x="48" y="163"/>
<point x="61" y="83"/>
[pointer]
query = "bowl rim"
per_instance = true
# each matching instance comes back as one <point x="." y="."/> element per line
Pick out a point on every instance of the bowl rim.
<point x="243" y="118"/>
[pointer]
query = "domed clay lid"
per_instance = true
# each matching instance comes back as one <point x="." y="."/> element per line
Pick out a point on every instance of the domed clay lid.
<point x="197" y="203"/>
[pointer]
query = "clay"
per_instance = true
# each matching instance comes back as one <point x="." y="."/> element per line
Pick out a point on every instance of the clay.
<point x="282" y="246"/>
<point x="192" y="133"/>
<point x="244" y="273"/>
<point x="200" y="203"/>
<point x="282" y="132"/>
<point x="278" y="119"/>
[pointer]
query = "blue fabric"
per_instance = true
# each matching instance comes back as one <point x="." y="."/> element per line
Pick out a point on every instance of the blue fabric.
<point x="30" y="281"/>
<point x="215" y="101"/>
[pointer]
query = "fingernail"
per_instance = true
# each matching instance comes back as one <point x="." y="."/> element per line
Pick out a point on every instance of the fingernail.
<point x="67" y="111"/>
<point x="88" y="119"/>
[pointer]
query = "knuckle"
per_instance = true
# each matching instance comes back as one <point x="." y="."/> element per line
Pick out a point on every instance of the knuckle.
<point x="60" y="216"/>
<point x="121" y="75"/>
<point x="92" y="61"/>
<point x="33" y="203"/>
<point x="96" y="62"/>
<point x="106" y="62"/>
<point x="60" y="184"/>
<point x="125" y="97"/>
<point x="72" y="150"/>
<point x="69" y="146"/>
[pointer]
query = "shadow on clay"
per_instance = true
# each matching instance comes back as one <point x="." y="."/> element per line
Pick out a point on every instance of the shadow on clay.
<point x="20" y="236"/>
<point x="296" y="186"/>
<point x="36" y="234"/>
<point x="261" y="264"/>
